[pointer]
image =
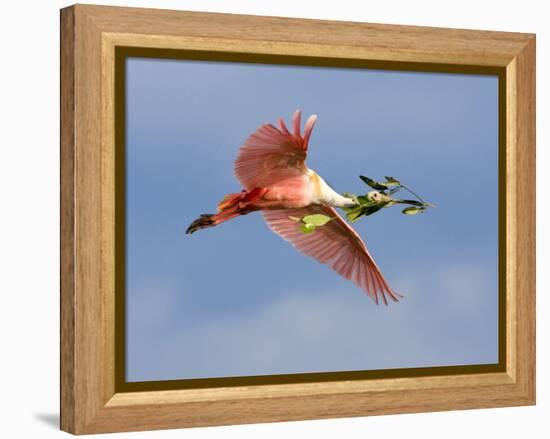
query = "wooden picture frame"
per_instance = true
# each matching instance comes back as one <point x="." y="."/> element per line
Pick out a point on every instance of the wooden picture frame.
<point x="92" y="398"/>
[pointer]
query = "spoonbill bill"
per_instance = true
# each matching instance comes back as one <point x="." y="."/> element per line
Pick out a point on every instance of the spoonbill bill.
<point x="272" y="170"/>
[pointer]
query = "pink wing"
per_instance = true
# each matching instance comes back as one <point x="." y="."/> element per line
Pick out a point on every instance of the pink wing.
<point x="335" y="244"/>
<point x="272" y="154"/>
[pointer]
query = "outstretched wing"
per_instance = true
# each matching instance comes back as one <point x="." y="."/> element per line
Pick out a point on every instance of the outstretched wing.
<point x="273" y="154"/>
<point x="335" y="244"/>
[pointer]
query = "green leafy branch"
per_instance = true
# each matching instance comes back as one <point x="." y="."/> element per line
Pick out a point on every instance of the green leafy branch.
<point x="381" y="197"/>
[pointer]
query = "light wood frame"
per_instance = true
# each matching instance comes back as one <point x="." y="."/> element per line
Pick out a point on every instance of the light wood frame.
<point x="89" y="38"/>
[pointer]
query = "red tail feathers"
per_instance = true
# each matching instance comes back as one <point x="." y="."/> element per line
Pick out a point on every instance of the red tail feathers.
<point x="232" y="205"/>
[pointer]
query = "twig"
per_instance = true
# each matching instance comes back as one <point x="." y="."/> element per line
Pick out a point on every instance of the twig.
<point x="414" y="194"/>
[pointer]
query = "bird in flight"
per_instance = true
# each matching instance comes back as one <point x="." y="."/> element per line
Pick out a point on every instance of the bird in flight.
<point x="271" y="168"/>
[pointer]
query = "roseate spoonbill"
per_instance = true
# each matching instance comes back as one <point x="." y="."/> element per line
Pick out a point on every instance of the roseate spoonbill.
<point x="272" y="170"/>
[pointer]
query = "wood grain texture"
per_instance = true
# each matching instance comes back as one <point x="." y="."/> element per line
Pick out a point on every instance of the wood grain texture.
<point x="525" y="219"/>
<point x="90" y="318"/>
<point x="67" y="231"/>
<point x="511" y="215"/>
<point x="90" y="35"/>
<point x="375" y="41"/>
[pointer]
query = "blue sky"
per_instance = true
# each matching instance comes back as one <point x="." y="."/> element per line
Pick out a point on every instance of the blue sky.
<point x="238" y="300"/>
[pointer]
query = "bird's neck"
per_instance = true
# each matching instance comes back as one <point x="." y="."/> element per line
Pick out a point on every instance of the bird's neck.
<point x="322" y="193"/>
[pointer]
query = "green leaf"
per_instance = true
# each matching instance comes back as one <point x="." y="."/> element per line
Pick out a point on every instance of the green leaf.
<point x="371" y="209"/>
<point x="413" y="202"/>
<point x="354" y="215"/>
<point x="413" y="210"/>
<point x="307" y="228"/>
<point x="352" y="208"/>
<point x="373" y="184"/>
<point x="316" y="220"/>
<point x="391" y="182"/>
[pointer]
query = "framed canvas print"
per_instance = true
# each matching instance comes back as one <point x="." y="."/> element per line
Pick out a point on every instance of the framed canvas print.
<point x="268" y="219"/>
